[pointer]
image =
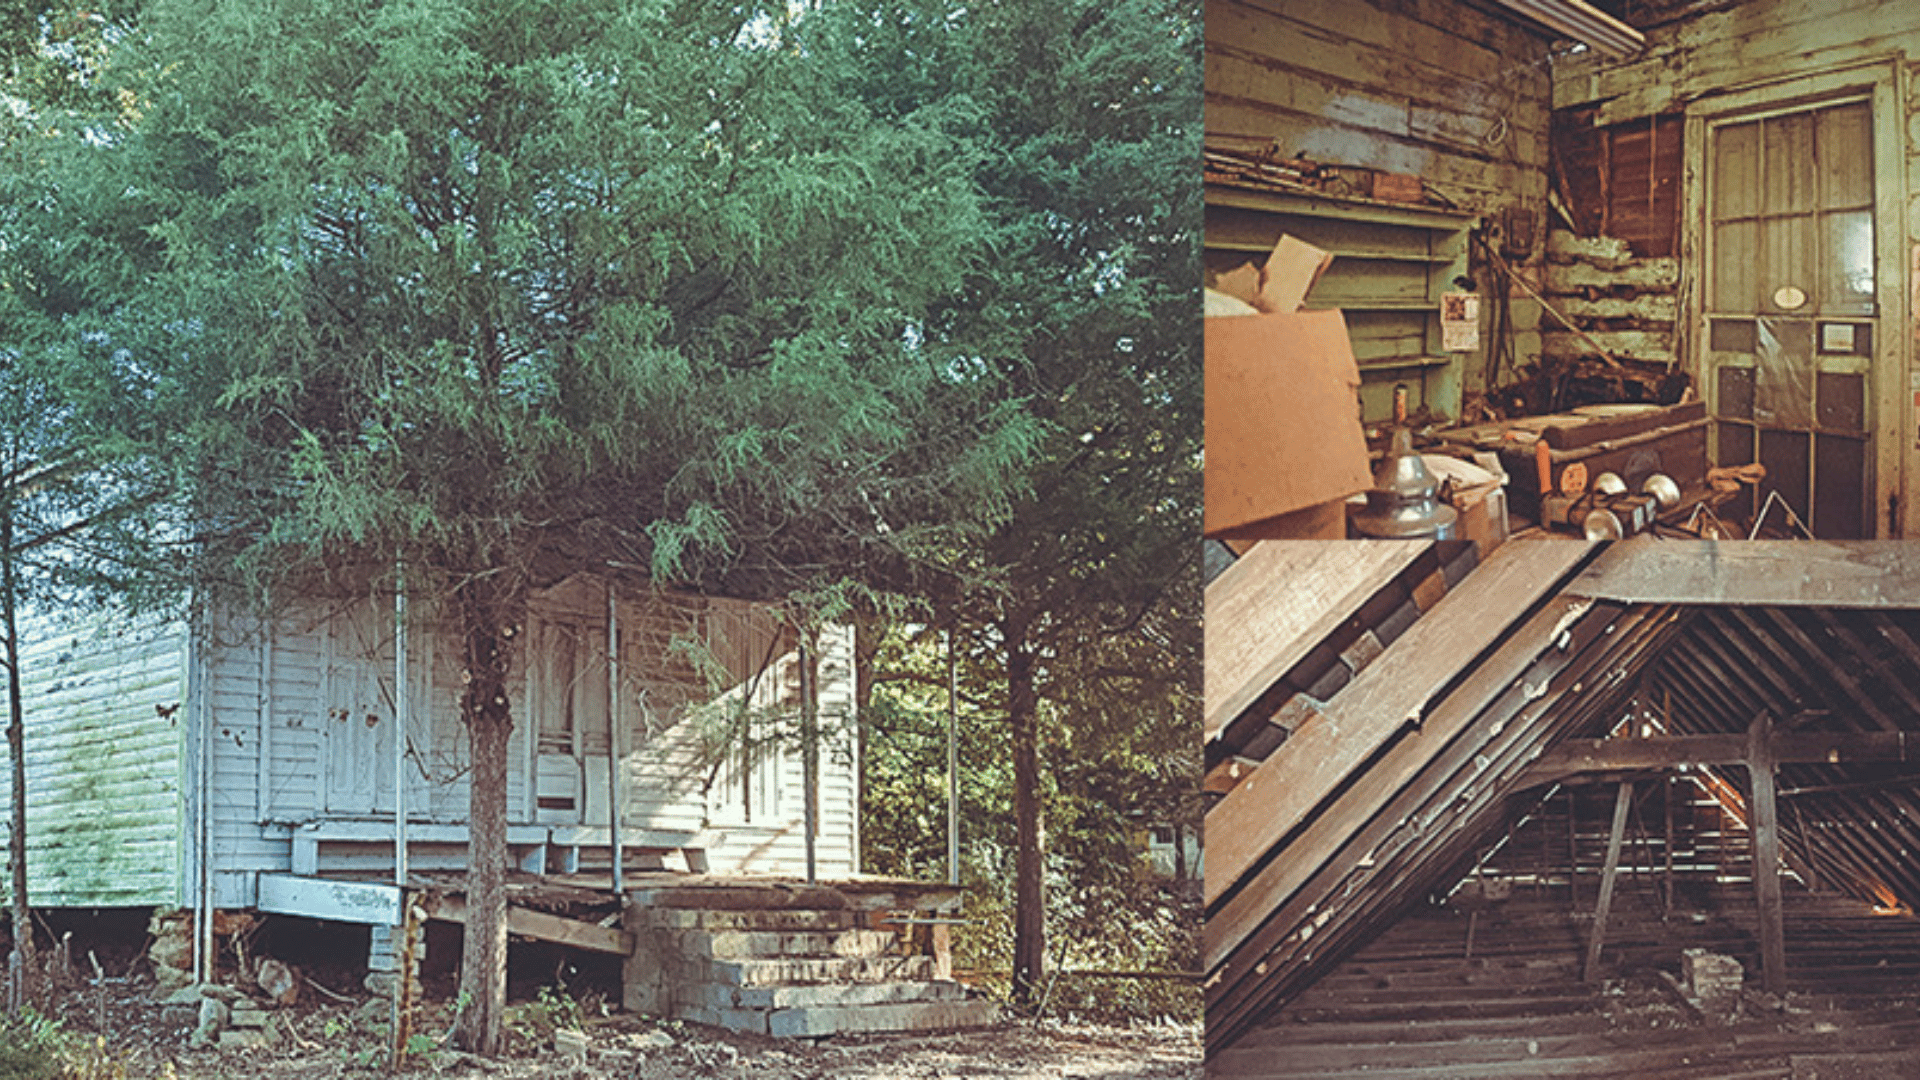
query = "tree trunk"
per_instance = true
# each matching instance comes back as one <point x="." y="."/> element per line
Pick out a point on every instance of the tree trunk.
<point x="1029" y="893"/>
<point x="489" y="616"/>
<point x="21" y="964"/>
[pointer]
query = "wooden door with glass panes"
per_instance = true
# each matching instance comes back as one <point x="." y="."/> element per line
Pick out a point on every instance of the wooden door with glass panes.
<point x="1790" y="315"/>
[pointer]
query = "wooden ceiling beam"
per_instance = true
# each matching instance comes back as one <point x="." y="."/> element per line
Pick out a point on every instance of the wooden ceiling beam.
<point x="1437" y="817"/>
<point x="1819" y="660"/>
<point x="1688" y="661"/>
<point x="1279" y="600"/>
<point x="1859" y="650"/>
<point x="1721" y="634"/>
<point x="1388" y="699"/>
<point x="1663" y="752"/>
<point x="1789" y="573"/>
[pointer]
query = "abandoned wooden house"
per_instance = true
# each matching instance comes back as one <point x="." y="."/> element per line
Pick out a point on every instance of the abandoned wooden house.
<point x="1565" y="239"/>
<point x="313" y="764"/>
<point x="1628" y="810"/>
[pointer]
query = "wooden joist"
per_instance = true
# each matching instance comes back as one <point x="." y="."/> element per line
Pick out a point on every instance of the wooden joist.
<point x="1785" y="573"/>
<point x="1279" y="880"/>
<point x="1432" y="823"/>
<point x="1275" y="602"/>
<point x="541" y="925"/>
<point x="1391" y="696"/>
<point x="1661" y="752"/>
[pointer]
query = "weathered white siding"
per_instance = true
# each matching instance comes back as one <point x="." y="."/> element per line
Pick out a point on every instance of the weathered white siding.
<point x="301" y="716"/>
<point x="101" y="696"/>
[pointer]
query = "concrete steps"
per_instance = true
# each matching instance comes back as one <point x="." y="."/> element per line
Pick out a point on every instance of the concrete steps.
<point x="801" y="967"/>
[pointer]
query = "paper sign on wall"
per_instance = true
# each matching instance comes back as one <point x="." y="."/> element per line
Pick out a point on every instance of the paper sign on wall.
<point x="1460" y="321"/>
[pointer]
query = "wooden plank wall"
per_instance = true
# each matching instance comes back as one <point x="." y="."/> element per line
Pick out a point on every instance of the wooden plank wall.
<point x="1454" y="93"/>
<point x="1710" y="846"/>
<point x="1614" y="269"/>
<point x="1697" y="49"/>
<point x="101" y="699"/>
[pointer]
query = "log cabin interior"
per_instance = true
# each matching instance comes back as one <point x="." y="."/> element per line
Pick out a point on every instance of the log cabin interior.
<point x="1577" y="809"/>
<point x="1575" y="246"/>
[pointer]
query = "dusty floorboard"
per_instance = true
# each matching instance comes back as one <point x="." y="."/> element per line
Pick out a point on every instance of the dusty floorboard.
<point x="1413" y="1005"/>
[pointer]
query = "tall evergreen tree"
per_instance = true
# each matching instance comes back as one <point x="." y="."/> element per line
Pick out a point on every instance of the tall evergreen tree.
<point x="502" y="289"/>
<point x="1090" y="309"/>
<point x="69" y="494"/>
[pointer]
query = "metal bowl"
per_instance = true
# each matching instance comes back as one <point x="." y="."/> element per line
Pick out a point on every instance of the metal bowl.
<point x="1663" y="489"/>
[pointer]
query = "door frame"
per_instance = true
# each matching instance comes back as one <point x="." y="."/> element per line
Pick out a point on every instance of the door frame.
<point x="1892" y="454"/>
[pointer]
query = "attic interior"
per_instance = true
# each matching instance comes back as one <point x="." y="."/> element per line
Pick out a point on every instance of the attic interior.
<point x="1588" y="810"/>
<point x="1561" y="241"/>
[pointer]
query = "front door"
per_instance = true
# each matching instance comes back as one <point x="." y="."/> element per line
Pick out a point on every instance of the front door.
<point x="359" y="732"/>
<point x="568" y="702"/>
<point x="1791" y="319"/>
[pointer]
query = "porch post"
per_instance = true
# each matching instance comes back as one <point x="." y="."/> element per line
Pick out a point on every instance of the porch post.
<point x="613" y="737"/>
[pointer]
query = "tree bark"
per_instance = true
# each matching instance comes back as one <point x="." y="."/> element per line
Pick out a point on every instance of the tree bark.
<point x="22" y="963"/>
<point x="1029" y="877"/>
<point x="489" y="617"/>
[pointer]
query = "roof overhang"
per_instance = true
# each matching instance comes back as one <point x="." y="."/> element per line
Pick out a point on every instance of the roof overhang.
<point x="1582" y="22"/>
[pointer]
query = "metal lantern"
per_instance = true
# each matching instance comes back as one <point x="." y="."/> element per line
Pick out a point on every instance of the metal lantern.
<point x="1403" y="503"/>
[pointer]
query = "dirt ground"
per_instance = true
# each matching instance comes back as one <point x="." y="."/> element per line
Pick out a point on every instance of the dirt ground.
<point x="323" y="1039"/>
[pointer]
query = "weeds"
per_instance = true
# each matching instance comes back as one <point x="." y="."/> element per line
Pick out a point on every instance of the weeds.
<point x="534" y="1022"/>
<point x="37" y="1047"/>
<point x="32" y="1047"/>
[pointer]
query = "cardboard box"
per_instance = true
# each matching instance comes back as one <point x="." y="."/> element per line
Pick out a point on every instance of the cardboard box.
<point x="1282" y="419"/>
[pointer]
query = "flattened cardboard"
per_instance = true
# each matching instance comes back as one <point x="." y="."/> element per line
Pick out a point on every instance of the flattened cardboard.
<point x="1322" y="521"/>
<point x="1289" y="274"/>
<point x="1282" y="423"/>
<point x="1242" y="283"/>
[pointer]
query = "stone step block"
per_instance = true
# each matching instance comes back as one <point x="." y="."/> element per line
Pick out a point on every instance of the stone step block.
<point x="815" y="1021"/>
<point x="770" y="944"/>
<point x="792" y="897"/>
<point x="723" y="996"/>
<point x="753" y="1020"/>
<point x="778" y="920"/>
<point x="809" y="970"/>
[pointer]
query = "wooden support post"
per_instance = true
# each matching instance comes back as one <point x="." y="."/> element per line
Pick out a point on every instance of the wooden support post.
<point x="1766" y="854"/>
<point x="1607" y="875"/>
<point x="1666" y="891"/>
<point x="1573" y="851"/>
<point x="616" y="806"/>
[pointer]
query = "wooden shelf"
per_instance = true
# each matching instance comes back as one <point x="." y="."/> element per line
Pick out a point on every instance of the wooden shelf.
<point x="1409" y="362"/>
<point x="1345" y="304"/>
<point x="1370" y="256"/>
<point x="1333" y="206"/>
